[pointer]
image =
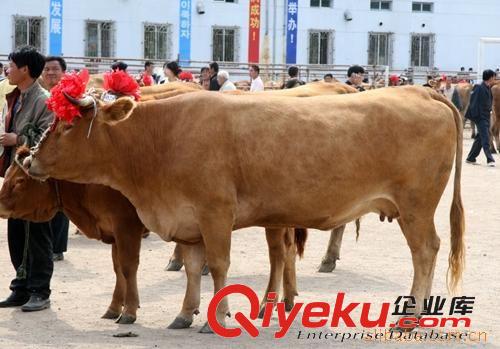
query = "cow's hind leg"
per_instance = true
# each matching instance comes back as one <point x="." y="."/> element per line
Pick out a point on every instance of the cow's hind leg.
<point x="175" y="263"/>
<point x="421" y="236"/>
<point x="289" y="274"/>
<point x="115" y="308"/>
<point x="129" y="247"/>
<point x="329" y="261"/>
<point x="276" y="245"/>
<point x="194" y="259"/>
<point x="216" y="231"/>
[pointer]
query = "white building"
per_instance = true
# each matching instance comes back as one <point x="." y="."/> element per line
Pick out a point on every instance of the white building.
<point x="398" y="33"/>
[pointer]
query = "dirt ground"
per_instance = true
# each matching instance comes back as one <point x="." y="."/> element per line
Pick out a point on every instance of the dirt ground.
<point x="376" y="269"/>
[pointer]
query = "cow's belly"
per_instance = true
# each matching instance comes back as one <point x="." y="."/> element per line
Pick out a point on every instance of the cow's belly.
<point x="179" y="225"/>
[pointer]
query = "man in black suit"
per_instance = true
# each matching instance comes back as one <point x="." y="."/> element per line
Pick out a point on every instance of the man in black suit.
<point x="479" y="111"/>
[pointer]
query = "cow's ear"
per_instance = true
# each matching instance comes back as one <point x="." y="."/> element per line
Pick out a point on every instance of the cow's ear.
<point x="118" y="110"/>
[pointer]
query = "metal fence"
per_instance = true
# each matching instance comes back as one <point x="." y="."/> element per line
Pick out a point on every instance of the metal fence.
<point x="238" y="71"/>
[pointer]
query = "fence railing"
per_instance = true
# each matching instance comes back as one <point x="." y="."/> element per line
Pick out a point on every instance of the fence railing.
<point x="269" y="72"/>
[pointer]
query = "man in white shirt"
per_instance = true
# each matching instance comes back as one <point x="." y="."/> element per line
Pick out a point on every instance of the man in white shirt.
<point x="223" y="80"/>
<point x="257" y="84"/>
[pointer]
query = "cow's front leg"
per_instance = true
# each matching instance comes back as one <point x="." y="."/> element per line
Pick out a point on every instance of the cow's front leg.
<point x="115" y="308"/>
<point x="216" y="231"/>
<point x="194" y="260"/>
<point x="129" y="249"/>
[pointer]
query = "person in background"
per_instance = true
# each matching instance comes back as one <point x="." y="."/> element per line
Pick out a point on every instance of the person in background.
<point x="117" y="66"/>
<point x="223" y="81"/>
<point x="294" y="81"/>
<point x="146" y="77"/>
<point x="393" y="80"/>
<point x="256" y="84"/>
<point x="205" y="78"/>
<point x="479" y="111"/>
<point x="428" y="81"/>
<point x="328" y="78"/>
<point x="2" y="74"/>
<point x="32" y="262"/>
<point x="214" y="70"/>
<point x="53" y="71"/>
<point x="5" y="88"/>
<point x="355" y="75"/>
<point x="451" y="92"/>
<point x="171" y="71"/>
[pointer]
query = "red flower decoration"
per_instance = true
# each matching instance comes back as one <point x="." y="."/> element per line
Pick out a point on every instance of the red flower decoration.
<point x="119" y="82"/>
<point x="73" y="84"/>
<point x="186" y="76"/>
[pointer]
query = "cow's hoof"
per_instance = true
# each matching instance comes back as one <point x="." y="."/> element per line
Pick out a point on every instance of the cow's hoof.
<point x="174" y="265"/>
<point x="180" y="323"/>
<point x="125" y="319"/>
<point x="327" y="266"/>
<point x="288" y="305"/>
<point x="206" y="329"/>
<point x="111" y="315"/>
<point x="205" y="270"/>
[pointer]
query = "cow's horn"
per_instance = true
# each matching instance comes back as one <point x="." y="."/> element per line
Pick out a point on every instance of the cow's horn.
<point x="81" y="102"/>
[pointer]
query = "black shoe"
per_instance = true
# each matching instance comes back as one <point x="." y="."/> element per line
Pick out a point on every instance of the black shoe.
<point x="16" y="299"/>
<point x="57" y="257"/>
<point x="36" y="303"/>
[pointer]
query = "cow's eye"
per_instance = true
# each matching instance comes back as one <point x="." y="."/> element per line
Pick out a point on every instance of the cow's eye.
<point x="20" y="181"/>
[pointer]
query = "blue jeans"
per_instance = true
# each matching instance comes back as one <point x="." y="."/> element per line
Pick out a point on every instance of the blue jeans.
<point x="482" y="140"/>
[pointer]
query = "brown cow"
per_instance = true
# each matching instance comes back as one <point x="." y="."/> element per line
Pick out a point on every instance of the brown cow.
<point x="197" y="172"/>
<point x="464" y="90"/>
<point x="495" y="119"/>
<point x="104" y="214"/>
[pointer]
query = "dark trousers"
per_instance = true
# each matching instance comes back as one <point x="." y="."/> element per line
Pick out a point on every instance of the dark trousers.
<point x="39" y="264"/>
<point x="60" y="226"/>
<point x="482" y="140"/>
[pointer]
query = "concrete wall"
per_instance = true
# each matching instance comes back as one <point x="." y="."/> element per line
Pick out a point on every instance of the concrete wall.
<point x="456" y="24"/>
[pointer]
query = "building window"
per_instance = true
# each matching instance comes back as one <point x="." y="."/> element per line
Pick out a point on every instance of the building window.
<point x="100" y="39"/>
<point x="224" y="42"/>
<point x="156" y="41"/>
<point x="320" y="47"/>
<point x="321" y="3"/>
<point x="422" y="50"/>
<point x="380" y="5"/>
<point x="29" y="31"/>
<point x="379" y="49"/>
<point x="422" y="6"/>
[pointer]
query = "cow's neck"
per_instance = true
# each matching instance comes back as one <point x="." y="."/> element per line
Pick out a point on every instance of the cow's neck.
<point x="72" y="200"/>
<point x="136" y="138"/>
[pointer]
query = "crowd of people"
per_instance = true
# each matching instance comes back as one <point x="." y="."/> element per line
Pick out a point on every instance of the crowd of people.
<point x="25" y="85"/>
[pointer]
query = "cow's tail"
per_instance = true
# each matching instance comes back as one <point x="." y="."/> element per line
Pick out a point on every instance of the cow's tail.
<point x="300" y="240"/>
<point x="456" y="258"/>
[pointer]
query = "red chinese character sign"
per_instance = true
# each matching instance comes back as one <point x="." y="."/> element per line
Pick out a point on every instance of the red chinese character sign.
<point x="254" y="31"/>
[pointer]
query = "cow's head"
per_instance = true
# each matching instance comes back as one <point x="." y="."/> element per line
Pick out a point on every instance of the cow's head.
<point x="22" y="197"/>
<point x="79" y="151"/>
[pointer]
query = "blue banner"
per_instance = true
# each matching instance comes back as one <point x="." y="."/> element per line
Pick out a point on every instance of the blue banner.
<point x="55" y="27"/>
<point x="291" y="31"/>
<point x="185" y="30"/>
